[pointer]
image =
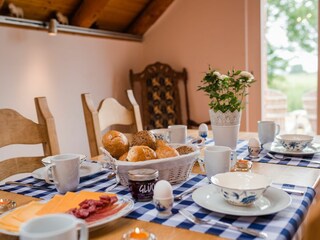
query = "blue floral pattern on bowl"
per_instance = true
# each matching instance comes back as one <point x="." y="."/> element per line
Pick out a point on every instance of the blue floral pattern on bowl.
<point x="242" y="197"/>
<point x="294" y="142"/>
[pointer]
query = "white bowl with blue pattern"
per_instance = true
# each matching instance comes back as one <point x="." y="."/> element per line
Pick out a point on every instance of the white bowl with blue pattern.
<point x="241" y="188"/>
<point x="294" y="142"/>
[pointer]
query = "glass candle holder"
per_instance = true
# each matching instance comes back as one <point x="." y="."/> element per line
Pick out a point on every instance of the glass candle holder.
<point x="138" y="234"/>
<point x="242" y="165"/>
<point x="6" y="205"/>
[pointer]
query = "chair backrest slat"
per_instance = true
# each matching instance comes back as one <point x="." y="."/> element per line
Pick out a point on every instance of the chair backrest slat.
<point x="110" y="114"/>
<point x="17" y="129"/>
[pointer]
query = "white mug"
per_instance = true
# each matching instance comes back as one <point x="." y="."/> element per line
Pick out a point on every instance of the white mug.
<point x="177" y="134"/>
<point x="217" y="159"/>
<point x="65" y="171"/>
<point x="267" y="130"/>
<point x="54" y="227"/>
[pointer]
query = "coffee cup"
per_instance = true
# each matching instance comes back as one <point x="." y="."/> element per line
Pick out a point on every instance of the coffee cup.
<point x="217" y="159"/>
<point x="267" y="130"/>
<point x="65" y="172"/>
<point x="177" y="134"/>
<point x="54" y="227"/>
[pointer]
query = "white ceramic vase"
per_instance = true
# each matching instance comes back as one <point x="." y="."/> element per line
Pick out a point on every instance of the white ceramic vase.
<point x="225" y="127"/>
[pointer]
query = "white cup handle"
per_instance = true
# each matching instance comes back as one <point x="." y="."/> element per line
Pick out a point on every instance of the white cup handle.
<point x="277" y="129"/>
<point x="46" y="174"/>
<point x="84" y="235"/>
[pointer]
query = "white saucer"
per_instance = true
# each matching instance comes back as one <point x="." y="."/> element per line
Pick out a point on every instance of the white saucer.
<point x="272" y="201"/>
<point x="47" y="160"/>
<point x="86" y="169"/>
<point x="276" y="148"/>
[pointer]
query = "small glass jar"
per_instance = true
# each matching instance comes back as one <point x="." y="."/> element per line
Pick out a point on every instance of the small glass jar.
<point x="242" y="165"/>
<point x="141" y="183"/>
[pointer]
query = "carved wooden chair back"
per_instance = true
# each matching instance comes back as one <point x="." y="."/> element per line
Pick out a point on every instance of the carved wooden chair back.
<point x="17" y="129"/>
<point x="109" y="115"/>
<point x="161" y="97"/>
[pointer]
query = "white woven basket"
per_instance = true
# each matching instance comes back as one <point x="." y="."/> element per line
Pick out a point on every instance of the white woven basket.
<point x="174" y="169"/>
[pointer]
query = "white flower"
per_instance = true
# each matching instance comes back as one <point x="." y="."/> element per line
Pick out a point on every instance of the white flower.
<point x="223" y="76"/>
<point x="217" y="74"/>
<point x="246" y="74"/>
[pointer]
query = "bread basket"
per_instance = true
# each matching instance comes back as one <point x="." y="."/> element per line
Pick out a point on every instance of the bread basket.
<point x="174" y="169"/>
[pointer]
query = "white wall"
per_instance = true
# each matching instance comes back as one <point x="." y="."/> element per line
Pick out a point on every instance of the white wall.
<point x="32" y="64"/>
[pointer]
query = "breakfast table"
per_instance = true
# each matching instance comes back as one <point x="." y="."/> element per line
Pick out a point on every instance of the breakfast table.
<point x="297" y="174"/>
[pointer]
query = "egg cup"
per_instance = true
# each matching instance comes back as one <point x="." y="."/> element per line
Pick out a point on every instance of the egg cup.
<point x="164" y="206"/>
<point x="254" y="151"/>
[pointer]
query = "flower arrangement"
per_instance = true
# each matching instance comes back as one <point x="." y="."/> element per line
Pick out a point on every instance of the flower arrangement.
<point x="226" y="92"/>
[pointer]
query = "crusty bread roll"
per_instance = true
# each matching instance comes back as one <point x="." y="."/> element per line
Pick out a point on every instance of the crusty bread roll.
<point x="166" y="151"/>
<point x="144" y="138"/>
<point x="184" y="150"/>
<point x="140" y="153"/>
<point x="123" y="157"/>
<point x="160" y="143"/>
<point x="116" y="143"/>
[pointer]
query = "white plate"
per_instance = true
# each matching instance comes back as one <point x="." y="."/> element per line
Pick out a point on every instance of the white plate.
<point x="272" y="201"/>
<point x="47" y="160"/>
<point x="276" y="148"/>
<point x="93" y="225"/>
<point x="86" y="169"/>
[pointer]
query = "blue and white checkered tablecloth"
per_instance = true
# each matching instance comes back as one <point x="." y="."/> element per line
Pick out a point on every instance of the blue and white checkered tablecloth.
<point x="281" y="225"/>
<point x="300" y="161"/>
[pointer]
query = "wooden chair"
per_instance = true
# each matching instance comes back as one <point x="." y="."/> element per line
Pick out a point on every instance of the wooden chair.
<point x="309" y="100"/>
<point x="276" y="107"/>
<point x="17" y="129"/>
<point x="109" y="115"/>
<point x="164" y="96"/>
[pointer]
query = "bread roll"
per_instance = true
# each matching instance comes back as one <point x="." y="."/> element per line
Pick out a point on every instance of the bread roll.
<point x="166" y="151"/>
<point x="144" y="138"/>
<point x="184" y="150"/>
<point x="140" y="153"/>
<point x="123" y="157"/>
<point x="116" y="143"/>
<point x="160" y="143"/>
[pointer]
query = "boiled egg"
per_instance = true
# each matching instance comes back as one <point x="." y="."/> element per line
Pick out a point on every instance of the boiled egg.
<point x="162" y="190"/>
<point x="254" y="142"/>
<point x="203" y="130"/>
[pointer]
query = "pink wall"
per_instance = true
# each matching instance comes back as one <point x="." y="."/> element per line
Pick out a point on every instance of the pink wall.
<point x="190" y="34"/>
<point x="32" y="63"/>
<point x="194" y="34"/>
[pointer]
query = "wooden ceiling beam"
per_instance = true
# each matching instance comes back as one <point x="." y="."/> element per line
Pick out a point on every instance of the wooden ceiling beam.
<point x="88" y="12"/>
<point x="1" y="3"/>
<point x="148" y="16"/>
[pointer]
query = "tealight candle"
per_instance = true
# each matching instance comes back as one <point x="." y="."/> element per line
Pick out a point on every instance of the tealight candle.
<point x="6" y="204"/>
<point x="138" y="234"/>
